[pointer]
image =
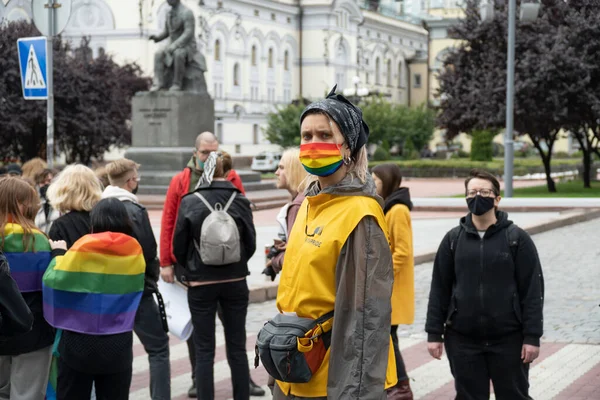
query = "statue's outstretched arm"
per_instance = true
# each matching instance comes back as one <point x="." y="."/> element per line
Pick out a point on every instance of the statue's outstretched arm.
<point x="188" y="32"/>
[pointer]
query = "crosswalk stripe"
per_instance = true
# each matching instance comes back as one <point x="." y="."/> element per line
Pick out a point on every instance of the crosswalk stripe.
<point x="177" y="352"/>
<point x="549" y="377"/>
<point x="430" y="377"/>
<point x="181" y="383"/>
<point x="405" y="343"/>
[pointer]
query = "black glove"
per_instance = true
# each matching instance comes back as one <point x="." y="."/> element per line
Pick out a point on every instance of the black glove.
<point x="269" y="271"/>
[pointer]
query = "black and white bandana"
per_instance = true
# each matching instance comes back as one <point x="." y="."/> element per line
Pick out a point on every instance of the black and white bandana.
<point x="209" y="170"/>
<point x="346" y="115"/>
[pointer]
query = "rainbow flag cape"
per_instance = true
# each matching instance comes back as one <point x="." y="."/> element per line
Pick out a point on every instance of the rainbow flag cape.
<point x="26" y="267"/>
<point x="96" y="287"/>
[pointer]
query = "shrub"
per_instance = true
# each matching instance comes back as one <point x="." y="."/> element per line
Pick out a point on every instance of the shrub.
<point x="560" y="154"/>
<point x="381" y="154"/>
<point x="481" y="147"/>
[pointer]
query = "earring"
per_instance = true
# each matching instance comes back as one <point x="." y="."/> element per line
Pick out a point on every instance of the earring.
<point x="347" y="161"/>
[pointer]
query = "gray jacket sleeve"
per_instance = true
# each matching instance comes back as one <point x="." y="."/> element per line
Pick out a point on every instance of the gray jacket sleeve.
<point x="361" y="326"/>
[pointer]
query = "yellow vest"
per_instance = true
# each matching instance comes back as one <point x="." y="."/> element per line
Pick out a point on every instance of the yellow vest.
<point x="307" y="283"/>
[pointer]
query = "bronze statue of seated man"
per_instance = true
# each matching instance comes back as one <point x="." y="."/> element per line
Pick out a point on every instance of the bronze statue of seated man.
<point x="179" y="64"/>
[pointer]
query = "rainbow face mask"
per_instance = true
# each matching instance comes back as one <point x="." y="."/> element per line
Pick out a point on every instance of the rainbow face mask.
<point x="321" y="159"/>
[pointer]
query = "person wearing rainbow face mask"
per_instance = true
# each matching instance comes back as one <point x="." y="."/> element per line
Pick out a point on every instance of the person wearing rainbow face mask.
<point x="338" y="259"/>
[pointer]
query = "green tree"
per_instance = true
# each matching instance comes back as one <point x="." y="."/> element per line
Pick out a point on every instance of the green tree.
<point x="547" y="76"/>
<point x="482" y="148"/>
<point x="381" y="154"/>
<point x="421" y="125"/>
<point x="283" y="126"/>
<point x="396" y="124"/>
<point x="380" y="115"/>
<point x="92" y="101"/>
<point x="583" y="34"/>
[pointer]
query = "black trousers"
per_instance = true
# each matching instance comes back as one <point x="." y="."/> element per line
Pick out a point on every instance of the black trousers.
<point x="192" y="353"/>
<point x="192" y="347"/>
<point x="233" y="299"/>
<point x="475" y="362"/>
<point x="400" y="367"/>
<point x="76" y="385"/>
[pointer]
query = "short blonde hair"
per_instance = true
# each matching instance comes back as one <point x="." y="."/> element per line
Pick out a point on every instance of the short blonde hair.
<point x="75" y="189"/>
<point x="119" y="170"/>
<point x="295" y="174"/>
<point x="33" y="167"/>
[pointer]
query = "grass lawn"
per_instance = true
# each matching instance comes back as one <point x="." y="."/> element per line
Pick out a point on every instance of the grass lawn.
<point x="563" y="189"/>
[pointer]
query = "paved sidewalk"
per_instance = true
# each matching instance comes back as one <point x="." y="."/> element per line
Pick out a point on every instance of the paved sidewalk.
<point x="569" y="365"/>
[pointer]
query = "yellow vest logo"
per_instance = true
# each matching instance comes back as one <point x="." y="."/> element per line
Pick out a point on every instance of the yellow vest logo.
<point x="309" y="236"/>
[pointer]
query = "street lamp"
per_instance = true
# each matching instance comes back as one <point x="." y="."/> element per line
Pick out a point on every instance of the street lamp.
<point x="529" y="12"/>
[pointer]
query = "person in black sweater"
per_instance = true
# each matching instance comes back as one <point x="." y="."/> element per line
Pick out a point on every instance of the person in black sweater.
<point x="74" y="193"/>
<point x="101" y="355"/>
<point x="486" y="299"/>
<point x="212" y="285"/>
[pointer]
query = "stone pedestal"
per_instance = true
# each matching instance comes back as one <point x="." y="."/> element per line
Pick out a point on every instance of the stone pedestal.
<point x="164" y="130"/>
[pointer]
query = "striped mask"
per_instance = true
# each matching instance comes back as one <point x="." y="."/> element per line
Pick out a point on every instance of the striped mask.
<point x="321" y="159"/>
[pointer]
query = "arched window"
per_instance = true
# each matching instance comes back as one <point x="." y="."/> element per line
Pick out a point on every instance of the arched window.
<point x="217" y="50"/>
<point x="271" y="58"/>
<point x="286" y="60"/>
<point x="236" y="74"/>
<point x="377" y="71"/>
<point x="389" y="72"/>
<point x="253" y="56"/>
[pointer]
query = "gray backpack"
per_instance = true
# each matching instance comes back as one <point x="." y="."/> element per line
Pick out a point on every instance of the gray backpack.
<point x="219" y="236"/>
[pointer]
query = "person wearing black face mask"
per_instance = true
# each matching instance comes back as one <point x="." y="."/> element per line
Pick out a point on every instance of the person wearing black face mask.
<point x="486" y="298"/>
<point x="124" y="181"/>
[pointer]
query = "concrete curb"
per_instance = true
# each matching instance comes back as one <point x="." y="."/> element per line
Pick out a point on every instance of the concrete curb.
<point x="269" y="291"/>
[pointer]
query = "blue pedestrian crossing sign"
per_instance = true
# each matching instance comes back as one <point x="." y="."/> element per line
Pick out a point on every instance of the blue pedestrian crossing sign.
<point x="32" y="61"/>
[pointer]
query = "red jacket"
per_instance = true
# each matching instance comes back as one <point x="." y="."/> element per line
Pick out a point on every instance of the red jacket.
<point x="177" y="189"/>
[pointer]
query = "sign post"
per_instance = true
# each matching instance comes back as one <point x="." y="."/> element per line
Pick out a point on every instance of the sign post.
<point x="50" y="116"/>
<point x="36" y="60"/>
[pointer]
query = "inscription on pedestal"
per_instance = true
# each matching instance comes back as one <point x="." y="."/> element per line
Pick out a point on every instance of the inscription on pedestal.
<point x="155" y="116"/>
<point x="165" y="119"/>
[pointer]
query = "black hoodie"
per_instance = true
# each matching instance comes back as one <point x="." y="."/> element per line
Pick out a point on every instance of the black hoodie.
<point x="481" y="292"/>
<point x="399" y="196"/>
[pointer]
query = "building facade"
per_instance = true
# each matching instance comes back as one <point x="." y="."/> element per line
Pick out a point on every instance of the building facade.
<point x="263" y="54"/>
